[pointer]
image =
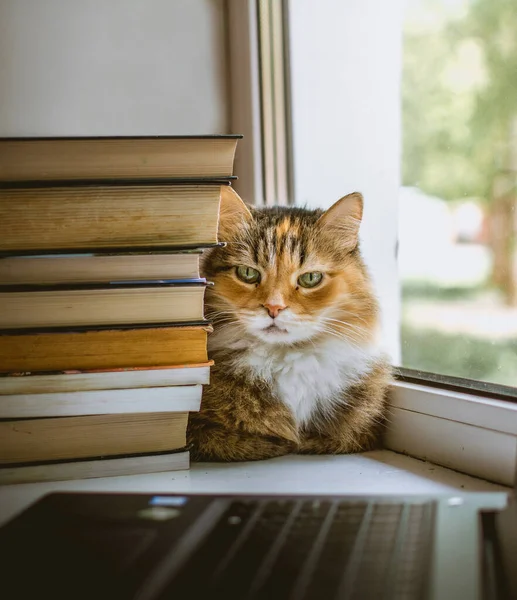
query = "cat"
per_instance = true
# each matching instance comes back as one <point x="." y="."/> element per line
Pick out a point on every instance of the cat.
<point x="297" y="368"/>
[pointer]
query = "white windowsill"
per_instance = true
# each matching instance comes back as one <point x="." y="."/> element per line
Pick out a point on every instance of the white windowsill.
<point x="379" y="472"/>
<point x="468" y="433"/>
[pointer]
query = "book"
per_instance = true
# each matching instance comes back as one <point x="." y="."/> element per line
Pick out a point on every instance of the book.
<point x="90" y="268"/>
<point x="103" y="341"/>
<point x="32" y="307"/>
<point x="83" y="381"/>
<point x="108" y="217"/>
<point x="61" y="438"/>
<point x="25" y="159"/>
<point x="99" y="467"/>
<point x="113" y="348"/>
<point x="179" y="398"/>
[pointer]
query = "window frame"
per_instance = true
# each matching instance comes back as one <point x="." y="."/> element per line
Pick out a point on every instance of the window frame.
<point x="259" y="87"/>
<point x="475" y="387"/>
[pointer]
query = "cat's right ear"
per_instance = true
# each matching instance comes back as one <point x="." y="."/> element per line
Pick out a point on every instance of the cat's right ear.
<point x="233" y="213"/>
<point x="343" y="220"/>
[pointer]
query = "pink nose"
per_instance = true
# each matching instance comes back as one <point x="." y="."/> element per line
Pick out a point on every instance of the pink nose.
<point x="274" y="309"/>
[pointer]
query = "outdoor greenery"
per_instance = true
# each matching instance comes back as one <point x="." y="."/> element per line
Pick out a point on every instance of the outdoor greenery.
<point x="459" y="118"/>
<point x="459" y="95"/>
<point x="459" y="356"/>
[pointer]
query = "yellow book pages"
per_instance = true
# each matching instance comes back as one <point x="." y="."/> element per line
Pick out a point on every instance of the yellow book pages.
<point x="103" y="349"/>
<point x="108" y="217"/>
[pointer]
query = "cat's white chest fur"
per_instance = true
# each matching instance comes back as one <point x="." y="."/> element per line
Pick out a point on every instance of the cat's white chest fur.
<point x="312" y="378"/>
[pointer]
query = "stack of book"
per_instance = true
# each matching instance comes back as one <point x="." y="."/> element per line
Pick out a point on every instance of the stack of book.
<point x="102" y="331"/>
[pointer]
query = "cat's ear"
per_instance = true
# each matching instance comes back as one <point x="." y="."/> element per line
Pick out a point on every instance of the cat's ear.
<point x="233" y="213"/>
<point x="343" y="220"/>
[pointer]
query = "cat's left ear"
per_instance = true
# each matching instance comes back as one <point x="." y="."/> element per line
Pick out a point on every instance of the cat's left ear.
<point x="233" y="213"/>
<point x="343" y="220"/>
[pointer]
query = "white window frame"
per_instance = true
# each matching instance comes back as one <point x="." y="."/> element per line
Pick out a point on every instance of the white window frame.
<point x="259" y="102"/>
<point x="473" y="434"/>
<point x="470" y="433"/>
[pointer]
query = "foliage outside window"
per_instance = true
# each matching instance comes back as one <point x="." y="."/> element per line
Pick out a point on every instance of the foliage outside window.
<point x="458" y="251"/>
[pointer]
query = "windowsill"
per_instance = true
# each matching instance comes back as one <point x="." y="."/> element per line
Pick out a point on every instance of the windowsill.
<point x="469" y="433"/>
<point x="379" y="472"/>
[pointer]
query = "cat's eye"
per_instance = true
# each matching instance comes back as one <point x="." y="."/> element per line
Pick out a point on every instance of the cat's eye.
<point x="310" y="280"/>
<point x="248" y="274"/>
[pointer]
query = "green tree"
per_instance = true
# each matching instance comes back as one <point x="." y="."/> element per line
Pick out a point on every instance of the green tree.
<point x="459" y="97"/>
<point x="437" y="110"/>
<point x="493" y="23"/>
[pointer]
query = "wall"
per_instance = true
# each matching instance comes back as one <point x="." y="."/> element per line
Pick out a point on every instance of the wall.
<point x="345" y="78"/>
<point x="112" y="67"/>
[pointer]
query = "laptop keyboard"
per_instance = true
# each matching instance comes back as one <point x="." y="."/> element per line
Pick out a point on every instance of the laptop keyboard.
<point x="304" y="550"/>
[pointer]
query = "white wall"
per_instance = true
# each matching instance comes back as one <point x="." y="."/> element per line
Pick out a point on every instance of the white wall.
<point x="345" y="78"/>
<point x="112" y="67"/>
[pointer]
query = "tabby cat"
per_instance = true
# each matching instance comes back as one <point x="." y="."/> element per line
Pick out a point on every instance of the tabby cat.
<point x="297" y="368"/>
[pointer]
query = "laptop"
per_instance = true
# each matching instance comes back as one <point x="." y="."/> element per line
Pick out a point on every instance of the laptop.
<point x="169" y="546"/>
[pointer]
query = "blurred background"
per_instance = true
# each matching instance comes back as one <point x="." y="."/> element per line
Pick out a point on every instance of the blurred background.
<point x="457" y="216"/>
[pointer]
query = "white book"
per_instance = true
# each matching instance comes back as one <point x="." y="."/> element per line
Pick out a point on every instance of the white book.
<point x="105" y="380"/>
<point x="183" y="398"/>
<point x="87" y="469"/>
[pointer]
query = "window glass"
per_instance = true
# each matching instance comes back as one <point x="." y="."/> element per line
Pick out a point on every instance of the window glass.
<point x="457" y="217"/>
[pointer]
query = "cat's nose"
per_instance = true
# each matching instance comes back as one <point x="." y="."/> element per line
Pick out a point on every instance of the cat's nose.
<point x="274" y="309"/>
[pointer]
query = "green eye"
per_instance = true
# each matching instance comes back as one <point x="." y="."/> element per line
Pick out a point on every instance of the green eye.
<point x="310" y="280"/>
<point x="248" y="274"/>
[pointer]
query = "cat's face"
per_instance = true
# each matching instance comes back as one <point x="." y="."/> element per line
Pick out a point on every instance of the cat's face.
<point x="290" y="275"/>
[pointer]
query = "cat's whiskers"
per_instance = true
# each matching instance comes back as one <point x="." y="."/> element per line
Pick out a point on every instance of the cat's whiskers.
<point x="216" y="313"/>
<point x="220" y="325"/>
<point x="354" y="315"/>
<point x="349" y="327"/>
<point x="349" y="339"/>
<point x="334" y="333"/>
<point x="341" y="321"/>
<point x="219" y="313"/>
<point x="349" y="336"/>
<point x="346" y="329"/>
<point x="220" y="318"/>
<point x="225" y="325"/>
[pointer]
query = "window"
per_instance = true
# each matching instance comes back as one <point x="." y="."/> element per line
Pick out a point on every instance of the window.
<point x="457" y="217"/>
<point x="415" y="104"/>
<point x="403" y="101"/>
